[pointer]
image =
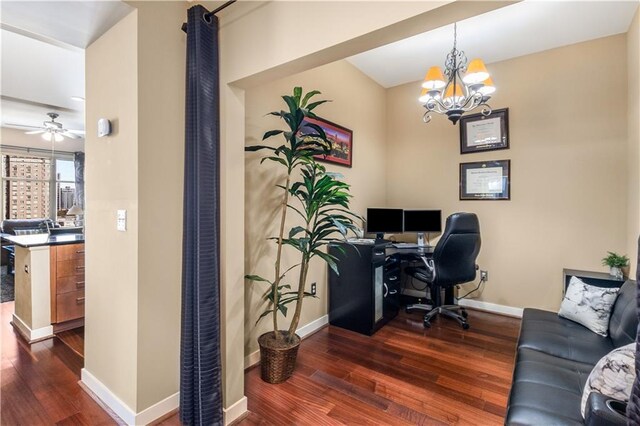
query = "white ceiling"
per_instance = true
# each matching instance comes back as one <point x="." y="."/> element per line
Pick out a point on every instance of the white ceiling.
<point x="43" y="58"/>
<point x="77" y="23"/>
<point x="516" y="30"/>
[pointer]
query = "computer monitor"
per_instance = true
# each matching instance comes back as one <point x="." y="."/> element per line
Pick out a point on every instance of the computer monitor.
<point x="381" y="221"/>
<point x="422" y="221"/>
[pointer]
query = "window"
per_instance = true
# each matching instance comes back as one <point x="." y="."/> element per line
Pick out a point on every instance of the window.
<point x="35" y="186"/>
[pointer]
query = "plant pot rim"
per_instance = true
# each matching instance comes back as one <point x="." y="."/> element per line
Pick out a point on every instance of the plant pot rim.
<point x="266" y="340"/>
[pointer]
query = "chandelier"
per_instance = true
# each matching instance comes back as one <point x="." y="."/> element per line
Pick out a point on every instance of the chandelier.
<point x="465" y="88"/>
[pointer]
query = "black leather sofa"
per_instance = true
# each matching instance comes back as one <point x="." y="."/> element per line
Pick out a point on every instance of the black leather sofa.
<point x="553" y="361"/>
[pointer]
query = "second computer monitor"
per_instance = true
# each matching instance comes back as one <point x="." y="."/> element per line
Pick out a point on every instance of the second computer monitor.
<point x="422" y="221"/>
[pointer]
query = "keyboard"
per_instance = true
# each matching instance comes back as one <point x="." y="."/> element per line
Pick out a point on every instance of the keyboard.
<point x="405" y="245"/>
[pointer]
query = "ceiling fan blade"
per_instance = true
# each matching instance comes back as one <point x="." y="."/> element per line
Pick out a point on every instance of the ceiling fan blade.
<point x="35" y="132"/>
<point x="70" y="135"/>
<point x="22" y="125"/>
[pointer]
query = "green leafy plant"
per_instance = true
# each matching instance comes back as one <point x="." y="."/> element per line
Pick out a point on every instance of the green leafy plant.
<point x="302" y="140"/>
<point x="614" y="260"/>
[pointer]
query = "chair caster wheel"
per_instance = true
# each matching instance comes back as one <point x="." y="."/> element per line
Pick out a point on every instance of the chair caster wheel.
<point x="426" y="324"/>
<point x="464" y="314"/>
<point x="465" y="326"/>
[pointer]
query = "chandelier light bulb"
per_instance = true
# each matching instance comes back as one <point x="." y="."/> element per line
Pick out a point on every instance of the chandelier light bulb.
<point x="434" y="79"/>
<point x="488" y="87"/>
<point x="476" y="72"/>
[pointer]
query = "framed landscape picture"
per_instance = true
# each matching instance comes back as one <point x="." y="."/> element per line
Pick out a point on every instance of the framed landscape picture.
<point x="485" y="180"/>
<point x="341" y="140"/>
<point x="484" y="133"/>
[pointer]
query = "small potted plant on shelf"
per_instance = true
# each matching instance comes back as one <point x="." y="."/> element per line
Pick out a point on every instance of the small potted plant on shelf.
<point x="322" y="206"/>
<point x="616" y="263"/>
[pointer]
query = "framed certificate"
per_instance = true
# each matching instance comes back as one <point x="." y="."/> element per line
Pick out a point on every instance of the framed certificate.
<point x="485" y="180"/>
<point x="484" y="133"/>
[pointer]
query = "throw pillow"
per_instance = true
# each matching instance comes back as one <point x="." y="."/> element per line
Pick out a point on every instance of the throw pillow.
<point x="612" y="376"/>
<point x="588" y="305"/>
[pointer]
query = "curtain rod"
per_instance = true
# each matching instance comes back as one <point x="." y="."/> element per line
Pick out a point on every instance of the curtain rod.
<point x="208" y="16"/>
<point x="35" y="150"/>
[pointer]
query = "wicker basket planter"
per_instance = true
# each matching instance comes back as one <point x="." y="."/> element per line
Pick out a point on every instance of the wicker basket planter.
<point x="277" y="360"/>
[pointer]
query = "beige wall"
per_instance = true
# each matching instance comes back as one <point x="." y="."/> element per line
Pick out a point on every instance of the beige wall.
<point x="161" y="93"/>
<point x="111" y="164"/>
<point x="135" y="77"/>
<point x="569" y="169"/>
<point x="358" y="103"/>
<point x="15" y="137"/>
<point x="633" y="126"/>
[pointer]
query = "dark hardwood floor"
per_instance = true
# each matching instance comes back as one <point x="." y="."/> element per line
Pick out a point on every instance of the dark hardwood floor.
<point x="40" y="382"/>
<point x="403" y="374"/>
<point x="73" y="338"/>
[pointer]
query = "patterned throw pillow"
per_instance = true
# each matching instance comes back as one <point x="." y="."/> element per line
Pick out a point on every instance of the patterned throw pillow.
<point x="588" y="305"/>
<point x="612" y="376"/>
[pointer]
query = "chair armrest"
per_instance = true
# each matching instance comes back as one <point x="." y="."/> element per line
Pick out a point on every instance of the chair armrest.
<point x="602" y="410"/>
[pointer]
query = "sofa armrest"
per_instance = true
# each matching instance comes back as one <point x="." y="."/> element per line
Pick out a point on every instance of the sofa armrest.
<point x="602" y="410"/>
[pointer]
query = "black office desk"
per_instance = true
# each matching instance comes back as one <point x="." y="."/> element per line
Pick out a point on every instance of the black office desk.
<point x="365" y="294"/>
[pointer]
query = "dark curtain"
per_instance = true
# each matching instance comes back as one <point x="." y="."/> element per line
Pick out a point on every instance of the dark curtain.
<point x="633" y="409"/>
<point x="200" y="372"/>
<point x="78" y="164"/>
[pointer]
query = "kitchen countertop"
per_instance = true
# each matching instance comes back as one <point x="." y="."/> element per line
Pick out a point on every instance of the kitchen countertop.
<point x="37" y="240"/>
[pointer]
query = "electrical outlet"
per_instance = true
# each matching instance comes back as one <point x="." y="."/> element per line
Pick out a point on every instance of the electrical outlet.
<point x="313" y="289"/>
<point x="484" y="275"/>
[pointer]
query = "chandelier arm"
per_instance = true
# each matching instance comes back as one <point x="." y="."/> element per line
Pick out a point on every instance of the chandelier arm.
<point x="436" y="106"/>
<point x="472" y="102"/>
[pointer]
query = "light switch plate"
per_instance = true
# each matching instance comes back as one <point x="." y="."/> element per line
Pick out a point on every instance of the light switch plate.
<point x="121" y="223"/>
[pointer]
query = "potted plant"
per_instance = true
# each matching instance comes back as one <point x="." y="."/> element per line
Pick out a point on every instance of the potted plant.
<point x="323" y="209"/>
<point x="615" y="262"/>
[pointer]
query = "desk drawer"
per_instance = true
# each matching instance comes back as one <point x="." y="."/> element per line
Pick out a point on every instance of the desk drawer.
<point x="70" y="306"/>
<point x="67" y="284"/>
<point x="70" y="252"/>
<point x="67" y="268"/>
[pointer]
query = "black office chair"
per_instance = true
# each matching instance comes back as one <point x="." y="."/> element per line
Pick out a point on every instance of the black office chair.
<point x="453" y="262"/>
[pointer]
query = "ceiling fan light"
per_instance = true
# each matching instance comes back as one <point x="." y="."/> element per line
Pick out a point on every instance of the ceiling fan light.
<point x="476" y="72"/>
<point x="58" y="137"/>
<point x="434" y="79"/>
<point x="47" y="136"/>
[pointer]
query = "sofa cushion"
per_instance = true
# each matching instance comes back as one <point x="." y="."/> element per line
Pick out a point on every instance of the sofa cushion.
<point x="624" y="317"/>
<point x="546" y="332"/>
<point x="546" y="389"/>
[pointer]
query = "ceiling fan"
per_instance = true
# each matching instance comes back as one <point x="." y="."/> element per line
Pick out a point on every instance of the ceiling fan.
<point x="54" y="130"/>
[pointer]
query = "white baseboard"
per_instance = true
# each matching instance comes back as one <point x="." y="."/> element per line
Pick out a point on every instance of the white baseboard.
<point x="313" y="326"/>
<point x="107" y="397"/>
<point x="235" y="411"/>
<point x="30" y="335"/>
<point x="254" y="357"/>
<point x="159" y="409"/>
<point x="491" y="307"/>
<point x="122" y="410"/>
